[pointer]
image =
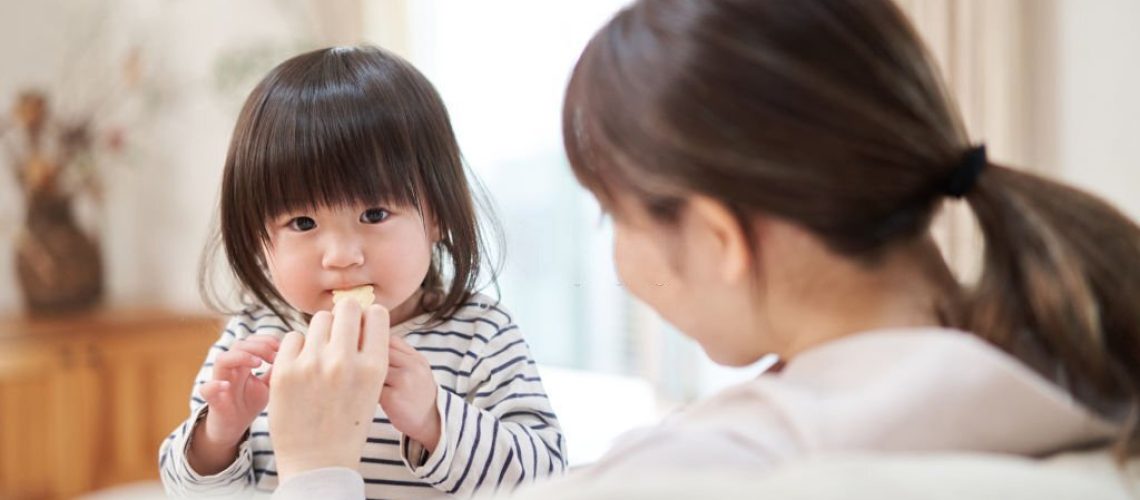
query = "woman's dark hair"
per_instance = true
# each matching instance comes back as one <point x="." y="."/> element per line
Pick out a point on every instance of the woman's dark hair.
<point x="341" y="126"/>
<point x="830" y="114"/>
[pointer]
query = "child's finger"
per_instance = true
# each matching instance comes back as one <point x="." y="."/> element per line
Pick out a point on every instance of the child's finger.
<point x="374" y="339"/>
<point x="262" y="338"/>
<point x="260" y="380"/>
<point x="345" y="335"/>
<point x="402" y="345"/>
<point x="318" y="334"/>
<point x="400" y="359"/>
<point x="234" y="359"/>
<point x="399" y="377"/>
<point x="259" y="349"/>
<point x="267" y="376"/>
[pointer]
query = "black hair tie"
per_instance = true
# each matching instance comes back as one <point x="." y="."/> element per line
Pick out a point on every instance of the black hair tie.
<point x="965" y="175"/>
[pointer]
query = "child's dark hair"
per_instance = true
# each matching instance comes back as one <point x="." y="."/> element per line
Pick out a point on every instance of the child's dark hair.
<point x="830" y="114"/>
<point x="339" y="126"/>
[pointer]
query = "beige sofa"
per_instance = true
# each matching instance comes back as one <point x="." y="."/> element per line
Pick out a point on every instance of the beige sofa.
<point x="1076" y="476"/>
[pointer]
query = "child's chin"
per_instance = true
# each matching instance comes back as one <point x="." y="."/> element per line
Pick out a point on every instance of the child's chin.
<point x="311" y="309"/>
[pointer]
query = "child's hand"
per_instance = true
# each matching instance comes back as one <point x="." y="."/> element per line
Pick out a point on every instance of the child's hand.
<point x="236" y="396"/>
<point x="409" y="394"/>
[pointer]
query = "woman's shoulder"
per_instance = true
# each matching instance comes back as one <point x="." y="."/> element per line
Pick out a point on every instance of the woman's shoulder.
<point x="903" y="389"/>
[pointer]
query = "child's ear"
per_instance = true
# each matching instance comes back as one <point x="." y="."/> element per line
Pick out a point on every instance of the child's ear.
<point x="730" y="243"/>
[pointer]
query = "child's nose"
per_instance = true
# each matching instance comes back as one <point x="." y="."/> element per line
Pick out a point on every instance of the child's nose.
<point x="343" y="251"/>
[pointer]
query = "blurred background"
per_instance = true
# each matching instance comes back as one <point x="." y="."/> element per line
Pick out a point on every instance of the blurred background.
<point x="115" y="117"/>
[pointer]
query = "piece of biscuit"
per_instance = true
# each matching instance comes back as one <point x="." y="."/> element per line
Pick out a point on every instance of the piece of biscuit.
<point x="361" y="294"/>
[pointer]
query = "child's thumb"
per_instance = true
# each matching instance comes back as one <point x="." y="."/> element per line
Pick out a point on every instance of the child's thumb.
<point x="212" y="391"/>
<point x="266" y="377"/>
<point x="374" y="341"/>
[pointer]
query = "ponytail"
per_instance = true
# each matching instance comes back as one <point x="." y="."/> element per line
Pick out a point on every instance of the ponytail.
<point x="1060" y="290"/>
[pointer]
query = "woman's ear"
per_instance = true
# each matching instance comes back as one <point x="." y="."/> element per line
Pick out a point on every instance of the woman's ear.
<point x="731" y="247"/>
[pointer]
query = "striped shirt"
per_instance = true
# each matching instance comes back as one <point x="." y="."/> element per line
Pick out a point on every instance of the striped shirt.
<point x="499" y="429"/>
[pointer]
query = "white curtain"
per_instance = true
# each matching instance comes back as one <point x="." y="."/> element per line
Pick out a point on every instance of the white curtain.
<point x="987" y="53"/>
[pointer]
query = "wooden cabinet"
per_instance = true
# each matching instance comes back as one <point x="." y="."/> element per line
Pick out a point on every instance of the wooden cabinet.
<point x="85" y="401"/>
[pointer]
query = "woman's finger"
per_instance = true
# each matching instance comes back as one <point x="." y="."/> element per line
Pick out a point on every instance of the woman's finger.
<point x="346" y="323"/>
<point x="318" y="334"/>
<point x="290" y="348"/>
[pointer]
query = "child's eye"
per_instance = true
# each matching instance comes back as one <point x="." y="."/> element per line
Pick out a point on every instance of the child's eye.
<point x="374" y="216"/>
<point x="302" y="223"/>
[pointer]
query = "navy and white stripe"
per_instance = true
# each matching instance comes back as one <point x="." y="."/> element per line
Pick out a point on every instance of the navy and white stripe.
<point x="499" y="430"/>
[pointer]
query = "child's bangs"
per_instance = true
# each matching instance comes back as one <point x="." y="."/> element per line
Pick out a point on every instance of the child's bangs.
<point x="322" y="150"/>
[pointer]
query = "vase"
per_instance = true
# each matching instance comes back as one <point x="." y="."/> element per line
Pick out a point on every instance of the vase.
<point x="59" y="267"/>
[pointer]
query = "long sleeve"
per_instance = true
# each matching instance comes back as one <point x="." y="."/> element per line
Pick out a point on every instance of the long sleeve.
<point x="178" y="478"/>
<point x="499" y="434"/>
<point x="331" y="483"/>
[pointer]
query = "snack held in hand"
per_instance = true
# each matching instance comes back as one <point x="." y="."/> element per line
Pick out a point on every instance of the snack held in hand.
<point x="361" y="294"/>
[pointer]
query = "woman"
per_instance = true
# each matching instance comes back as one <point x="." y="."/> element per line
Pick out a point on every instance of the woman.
<point x="772" y="169"/>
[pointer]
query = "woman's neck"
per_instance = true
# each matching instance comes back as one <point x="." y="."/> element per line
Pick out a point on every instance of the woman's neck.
<point x="908" y="288"/>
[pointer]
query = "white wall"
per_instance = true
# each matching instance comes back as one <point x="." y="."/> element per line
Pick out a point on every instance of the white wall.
<point x="161" y="198"/>
<point x="1097" y="79"/>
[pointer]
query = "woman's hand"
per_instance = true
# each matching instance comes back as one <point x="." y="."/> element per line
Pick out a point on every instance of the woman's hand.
<point x="324" y="389"/>
<point x="409" y="394"/>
